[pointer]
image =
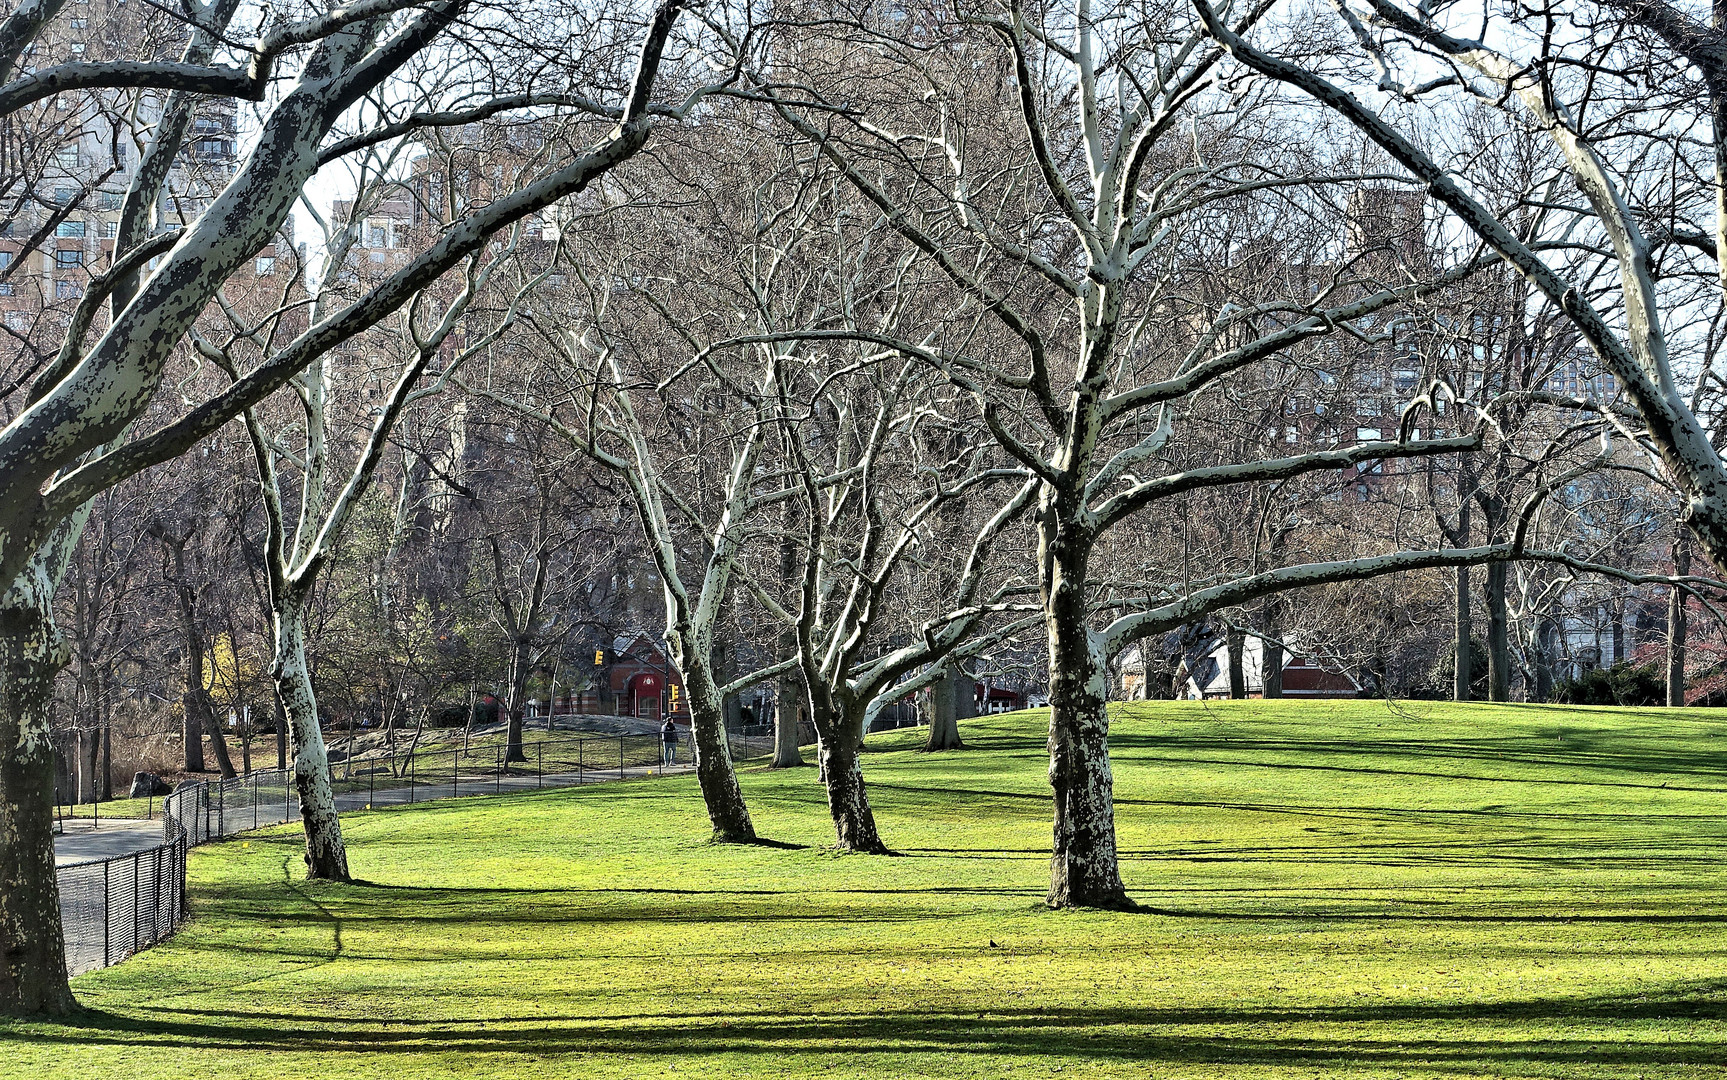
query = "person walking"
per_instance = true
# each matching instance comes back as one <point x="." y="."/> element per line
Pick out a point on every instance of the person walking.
<point x="669" y="740"/>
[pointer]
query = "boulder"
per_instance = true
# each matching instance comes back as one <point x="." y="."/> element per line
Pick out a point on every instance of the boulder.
<point x="146" y="785"/>
<point x="184" y="784"/>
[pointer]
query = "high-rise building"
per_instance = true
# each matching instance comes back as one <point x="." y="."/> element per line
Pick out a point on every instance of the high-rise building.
<point x="78" y="153"/>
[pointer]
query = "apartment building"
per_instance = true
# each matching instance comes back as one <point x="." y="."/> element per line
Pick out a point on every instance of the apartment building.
<point x="60" y="218"/>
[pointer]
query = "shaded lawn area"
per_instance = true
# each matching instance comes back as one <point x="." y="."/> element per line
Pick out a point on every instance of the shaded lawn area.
<point x="1333" y="889"/>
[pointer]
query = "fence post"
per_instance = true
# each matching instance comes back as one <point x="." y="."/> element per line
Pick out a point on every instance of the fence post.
<point x="254" y="800"/>
<point x="287" y="798"/>
<point x="222" y="809"/>
<point x="455" y="769"/>
<point x="498" y="773"/>
<point x="371" y="785"/>
<point x="540" y="766"/>
<point x="137" y="868"/>
<point x="581" y="747"/>
<point x="105" y="866"/>
<point x="412" y="758"/>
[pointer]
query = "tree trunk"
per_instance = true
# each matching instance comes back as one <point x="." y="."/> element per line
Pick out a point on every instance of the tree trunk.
<point x="104" y="740"/>
<point x="518" y="694"/>
<point x="32" y="945"/>
<point x="1271" y="663"/>
<point x="1461" y="675"/>
<point x="1082" y="868"/>
<point x="1543" y="662"/>
<point x="191" y="734"/>
<point x="1618" y="617"/>
<point x="724" y="799"/>
<point x="1678" y="625"/>
<point x="105" y="776"/>
<point x="89" y="760"/>
<point x="1498" y="636"/>
<point x="787" y="705"/>
<point x="219" y="744"/>
<point x="789" y="696"/>
<point x="848" y="801"/>
<point x="326" y="855"/>
<point x="944" y="711"/>
<point x="1235" y="644"/>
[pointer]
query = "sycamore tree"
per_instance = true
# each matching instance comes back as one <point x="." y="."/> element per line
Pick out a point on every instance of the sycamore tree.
<point x="73" y="433"/>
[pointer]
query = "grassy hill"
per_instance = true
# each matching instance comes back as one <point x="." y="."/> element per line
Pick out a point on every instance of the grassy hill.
<point x="1333" y="889"/>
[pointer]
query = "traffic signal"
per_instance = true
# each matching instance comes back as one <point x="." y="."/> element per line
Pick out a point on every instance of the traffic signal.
<point x="674" y="692"/>
<point x="599" y="658"/>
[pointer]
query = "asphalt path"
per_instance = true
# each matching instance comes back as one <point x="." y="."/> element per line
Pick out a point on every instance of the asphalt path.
<point x="82" y="842"/>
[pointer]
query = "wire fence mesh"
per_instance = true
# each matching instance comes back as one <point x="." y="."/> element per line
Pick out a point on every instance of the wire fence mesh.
<point x="112" y="908"/>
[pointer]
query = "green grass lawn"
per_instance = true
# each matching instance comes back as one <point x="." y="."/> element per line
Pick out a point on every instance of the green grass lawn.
<point x="116" y="808"/>
<point x="1333" y="889"/>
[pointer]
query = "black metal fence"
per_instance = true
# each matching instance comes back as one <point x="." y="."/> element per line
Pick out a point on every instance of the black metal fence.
<point x="112" y="908"/>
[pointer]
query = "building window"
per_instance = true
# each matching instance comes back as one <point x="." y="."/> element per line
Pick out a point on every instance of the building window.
<point x="266" y="265"/>
<point x="80" y="24"/>
<point x="67" y="290"/>
<point x="67" y="156"/>
<point x="1367" y="434"/>
<point x="110" y="200"/>
<point x="5" y="259"/>
<point x="67" y="258"/>
<point x="1289" y="436"/>
<point x="110" y="229"/>
<point x="77" y="48"/>
<point x="1367" y="406"/>
<point x="377" y="234"/>
<point x="69" y="228"/>
<point x="1404" y="378"/>
<point x="63" y="196"/>
<point x="17" y="320"/>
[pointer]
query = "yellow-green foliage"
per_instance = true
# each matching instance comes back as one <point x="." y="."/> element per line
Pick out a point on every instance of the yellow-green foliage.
<point x="231" y="673"/>
<point x="1333" y="889"/>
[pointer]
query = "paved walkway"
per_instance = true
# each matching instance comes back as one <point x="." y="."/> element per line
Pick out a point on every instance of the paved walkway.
<point x="114" y="836"/>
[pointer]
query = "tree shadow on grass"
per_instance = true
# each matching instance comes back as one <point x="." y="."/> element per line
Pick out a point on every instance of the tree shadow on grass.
<point x="1348" y="1037"/>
